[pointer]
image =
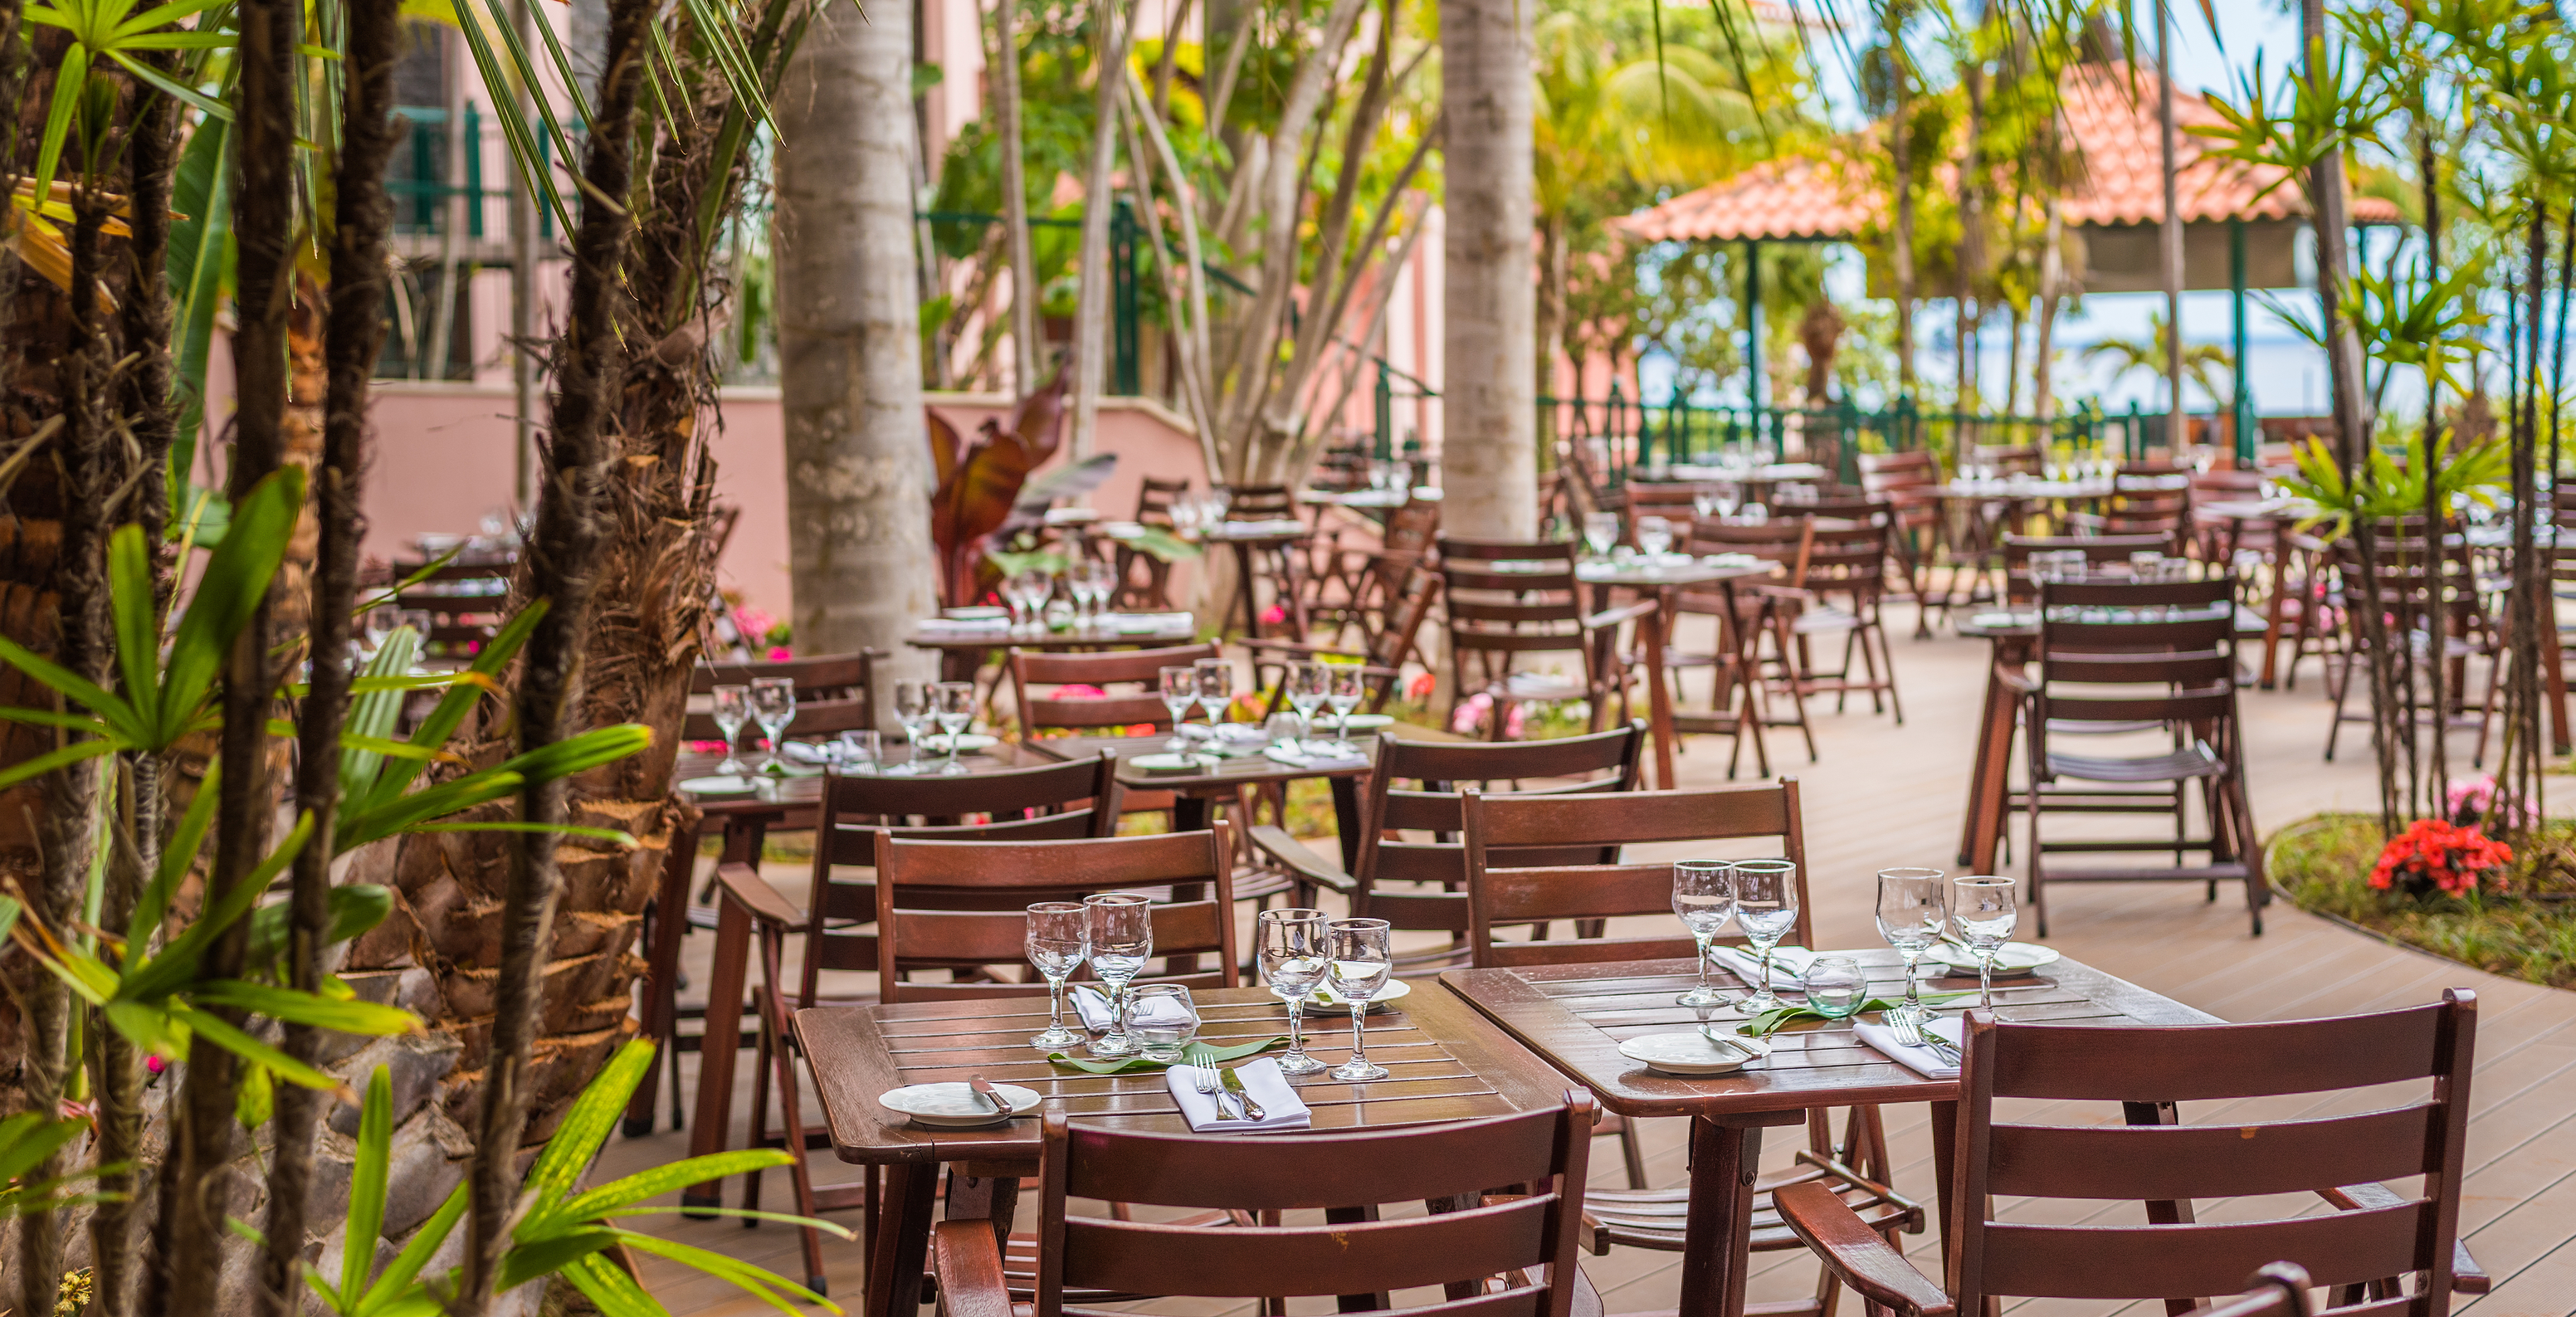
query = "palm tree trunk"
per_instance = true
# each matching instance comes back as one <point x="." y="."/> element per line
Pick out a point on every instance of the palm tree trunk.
<point x="198" y="1173"/>
<point x="1488" y="448"/>
<point x="2437" y="766"/>
<point x="1025" y="294"/>
<point x="1900" y="146"/>
<point x="2169" y="234"/>
<point x="564" y="560"/>
<point x="2052" y="274"/>
<point x="1092" y="298"/>
<point x="848" y="340"/>
<point x="356" y="334"/>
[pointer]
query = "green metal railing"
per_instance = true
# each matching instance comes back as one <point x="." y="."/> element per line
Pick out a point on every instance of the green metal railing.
<point x="420" y="189"/>
<point x="1126" y="375"/>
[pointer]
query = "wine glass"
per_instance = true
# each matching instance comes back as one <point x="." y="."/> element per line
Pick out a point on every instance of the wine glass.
<point x="773" y="706"/>
<point x="732" y="708"/>
<point x="1180" y="690"/>
<point x="1347" y="685"/>
<point x="1216" y="690"/>
<point x="1983" y="912"/>
<point x="1766" y="908"/>
<point x="1835" y="986"/>
<point x="1290" y="946"/>
<point x="912" y="708"/>
<point x="1307" y="683"/>
<point x="1654" y="536"/>
<point x="1121" y="926"/>
<point x="954" y="706"/>
<point x="862" y="749"/>
<point x="1059" y="941"/>
<point x="1363" y="955"/>
<point x="1704" y="897"/>
<point x="1165" y="1020"/>
<point x="1913" y="908"/>
<point x="1600" y="532"/>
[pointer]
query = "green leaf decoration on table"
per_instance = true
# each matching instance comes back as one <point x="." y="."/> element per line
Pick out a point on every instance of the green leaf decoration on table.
<point x="1779" y="1017"/>
<point x="1196" y="1053"/>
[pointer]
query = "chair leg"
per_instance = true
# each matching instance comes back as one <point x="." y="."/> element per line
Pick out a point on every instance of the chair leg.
<point x="791" y="1112"/>
<point x="1633" y="1153"/>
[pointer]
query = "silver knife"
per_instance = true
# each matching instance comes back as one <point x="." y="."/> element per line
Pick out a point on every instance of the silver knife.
<point x="1943" y="1048"/>
<point x="1234" y="1084"/>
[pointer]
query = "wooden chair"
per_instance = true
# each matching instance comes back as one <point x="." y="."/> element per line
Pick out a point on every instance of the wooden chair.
<point x="2098" y="551"/>
<point x="1381" y="660"/>
<point x="2178" y="673"/>
<point x="1857" y="1173"/>
<point x="2405" y="572"/>
<point x="1909" y="482"/>
<point x="1104" y="671"/>
<point x="1508" y="599"/>
<point x="1363" y="584"/>
<point x="1501" y="1255"/>
<point x="1763" y="611"/>
<point x="2164" y="513"/>
<point x="1839" y="592"/>
<point x="835" y="693"/>
<point x="1145" y="581"/>
<point x="2361" y="1250"/>
<point x="465" y="604"/>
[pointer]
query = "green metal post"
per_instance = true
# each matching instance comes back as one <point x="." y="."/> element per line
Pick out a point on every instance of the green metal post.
<point x="2137" y="444"/>
<point x="545" y="161"/>
<point x="1122" y="269"/>
<point x="473" y="171"/>
<point x="1753" y="333"/>
<point x="2242" y="423"/>
<point x="1384" y="404"/>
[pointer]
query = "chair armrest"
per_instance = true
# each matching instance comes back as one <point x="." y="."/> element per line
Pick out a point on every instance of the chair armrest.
<point x="968" y="1261"/>
<point x="2019" y="683"/>
<point x="1299" y="648"/>
<point x="743" y="885"/>
<point x="1610" y="617"/>
<point x="2466" y="1276"/>
<point x="1865" y="1261"/>
<point x="1291" y="854"/>
<point x="1833" y="1167"/>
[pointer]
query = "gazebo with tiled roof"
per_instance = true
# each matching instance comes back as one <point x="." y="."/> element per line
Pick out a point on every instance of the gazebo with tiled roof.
<point x="2240" y="220"/>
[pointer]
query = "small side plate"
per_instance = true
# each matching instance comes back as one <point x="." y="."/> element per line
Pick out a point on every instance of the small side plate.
<point x="719" y="786"/>
<point x="1361" y="722"/>
<point x="968" y="743"/>
<point x="1689" y="1053"/>
<point x="955" y="1105"/>
<point x="2016" y="958"/>
<point x="1167" y="762"/>
<point x="1324" y="995"/>
<point x="974" y="613"/>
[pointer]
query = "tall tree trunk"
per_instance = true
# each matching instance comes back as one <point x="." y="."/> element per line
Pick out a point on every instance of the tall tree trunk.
<point x="1900" y="146"/>
<point x="1548" y="335"/>
<point x="197" y="1182"/>
<point x="1092" y="296"/>
<point x="1488" y="443"/>
<point x="1967" y="264"/>
<point x="564" y="559"/>
<point x="355" y="336"/>
<point x="848" y="336"/>
<point x="2052" y="275"/>
<point x="1026" y="296"/>
<point x="2169" y="233"/>
<point x="2437" y="757"/>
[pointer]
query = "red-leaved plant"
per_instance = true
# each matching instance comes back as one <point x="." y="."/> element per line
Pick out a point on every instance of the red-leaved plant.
<point x="2436" y="855"/>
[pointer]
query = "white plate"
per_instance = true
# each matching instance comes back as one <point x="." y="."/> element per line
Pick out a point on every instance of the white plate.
<point x="974" y="613"/>
<point x="1688" y="1053"/>
<point x="955" y="1105"/>
<point x="1363" y="722"/>
<point x="971" y="741"/>
<point x="719" y="786"/>
<point x="1168" y="763"/>
<point x="2015" y="959"/>
<point x="1394" y="990"/>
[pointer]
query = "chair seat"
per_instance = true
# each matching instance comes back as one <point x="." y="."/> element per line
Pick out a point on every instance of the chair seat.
<point x="1657" y="1218"/>
<point x="1540" y="687"/>
<point x="2196" y="760"/>
<point x="1823" y="621"/>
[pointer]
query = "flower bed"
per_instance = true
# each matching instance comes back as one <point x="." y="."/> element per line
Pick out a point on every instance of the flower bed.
<point x="2439" y="891"/>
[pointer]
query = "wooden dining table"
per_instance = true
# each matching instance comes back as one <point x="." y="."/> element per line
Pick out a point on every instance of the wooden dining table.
<point x="1575" y="1017"/>
<point x="1448" y="1063"/>
<point x="1196" y="793"/>
<point x="961" y="649"/>
<point x="1663" y="583"/>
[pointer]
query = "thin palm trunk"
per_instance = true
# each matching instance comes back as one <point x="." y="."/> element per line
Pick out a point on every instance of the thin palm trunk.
<point x="2437" y="770"/>
<point x="565" y="556"/>
<point x="2052" y="275"/>
<point x="1025" y="294"/>
<point x="1091" y="298"/>
<point x="1488" y="448"/>
<point x="1900" y="147"/>
<point x="2169" y="233"/>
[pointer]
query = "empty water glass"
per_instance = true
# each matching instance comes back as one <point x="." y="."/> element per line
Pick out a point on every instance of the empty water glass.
<point x="1766" y="908"/>
<point x="1290" y="947"/>
<point x="955" y="708"/>
<point x="913" y="704"/>
<point x="1704" y="897"/>
<point x="1180" y="690"/>
<point x="1216" y="690"/>
<point x="1163" y="1019"/>
<point x="730" y="710"/>
<point x="1913" y="912"/>
<point x="1983" y="910"/>
<point x="860" y="751"/>
<point x="1835" y="986"/>
<point x="1307" y="685"/>
<point x="1059" y="940"/>
<point x="1654" y="536"/>
<point x="1346" y="685"/>
<point x="773" y="704"/>
<point x="1121" y="929"/>
<point x="1363" y="957"/>
<point x="1600" y="532"/>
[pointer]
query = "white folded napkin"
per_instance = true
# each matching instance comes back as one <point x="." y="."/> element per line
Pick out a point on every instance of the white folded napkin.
<point x="1303" y="757"/>
<point x="966" y="624"/>
<point x="1921" y="1060"/>
<point x="1788" y="964"/>
<point x="806" y="752"/>
<point x="1093" y="1005"/>
<point x="1143" y="624"/>
<point x="1274" y="526"/>
<point x="1281" y="1108"/>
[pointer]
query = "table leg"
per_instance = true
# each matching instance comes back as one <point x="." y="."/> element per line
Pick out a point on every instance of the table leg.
<point x="1243" y="590"/>
<point x="713" y="1123"/>
<point x="1945" y="1156"/>
<point x="1991" y="782"/>
<point x="1346" y="820"/>
<point x="993" y="1198"/>
<point x="1192" y="813"/>
<point x="1717" y="1236"/>
<point x="2553" y="674"/>
<point x="1659" y="696"/>
<point x="2276" y="609"/>
<point x="662" y="988"/>
<point x="902" y="1243"/>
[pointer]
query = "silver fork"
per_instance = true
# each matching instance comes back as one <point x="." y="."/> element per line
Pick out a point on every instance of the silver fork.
<point x="1204" y="1080"/>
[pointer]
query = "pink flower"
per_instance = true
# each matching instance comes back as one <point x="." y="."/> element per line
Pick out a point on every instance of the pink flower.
<point x="706" y="747"/>
<point x="1516" y="722"/>
<point x="1078" y="691"/>
<point x="155" y="1064"/>
<point x="1471" y="714"/>
<point x="780" y="653"/>
<point x="1273" y="615"/>
<point x="753" y="624"/>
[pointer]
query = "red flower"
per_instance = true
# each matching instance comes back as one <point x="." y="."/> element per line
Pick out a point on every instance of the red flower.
<point x="2436" y="854"/>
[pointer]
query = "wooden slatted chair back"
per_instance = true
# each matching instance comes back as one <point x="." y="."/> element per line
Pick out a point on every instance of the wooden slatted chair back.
<point x="1430" y="872"/>
<point x="1501" y="895"/>
<point x="1509" y="598"/>
<point x="953" y="904"/>
<point x="1154" y="500"/>
<point x="835" y="693"/>
<point x="1036" y="675"/>
<point x="1512" y="1257"/>
<point x="2166" y="1165"/>
<point x="1259" y="502"/>
<point x="1052" y="802"/>
<point x="2180" y="670"/>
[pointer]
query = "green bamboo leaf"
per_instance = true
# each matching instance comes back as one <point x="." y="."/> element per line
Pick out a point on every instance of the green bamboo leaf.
<point x="171" y="971"/>
<point x="78" y="689"/>
<point x="235" y="579"/>
<point x="514" y="126"/>
<point x="291" y="1006"/>
<point x="376" y="713"/>
<point x="212" y="1028"/>
<point x="544" y="1257"/>
<point x="48" y="718"/>
<point x="572" y="78"/>
<point x="134" y="605"/>
<point x="441" y="724"/>
<point x="613" y="1291"/>
<point x="394" y="1287"/>
<point x="164" y="15"/>
<point x="70" y="80"/>
<point x="27" y="1139"/>
<point x="599" y="745"/>
<point x="619" y="1196"/>
<point x="354" y="908"/>
<point x="201" y="193"/>
<point x="761" y="1284"/>
<point x="584" y="1127"/>
<point x="369" y="1177"/>
<point x="358" y="827"/>
<point x="53" y="759"/>
<point x="206" y="105"/>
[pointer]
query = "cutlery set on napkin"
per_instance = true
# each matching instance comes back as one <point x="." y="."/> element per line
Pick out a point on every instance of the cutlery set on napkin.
<point x="1261" y="1081"/>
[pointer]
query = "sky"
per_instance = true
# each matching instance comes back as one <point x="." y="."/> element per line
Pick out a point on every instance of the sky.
<point x="2287" y="375"/>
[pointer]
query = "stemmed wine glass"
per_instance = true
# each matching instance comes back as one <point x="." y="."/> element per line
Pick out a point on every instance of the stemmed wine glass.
<point x="1343" y="693"/>
<point x="1121" y="926"/>
<point x="1654" y="536"/>
<point x="731" y="710"/>
<point x="1982" y="909"/>
<point x="1290" y="945"/>
<point x="954" y="706"/>
<point x="1216" y="691"/>
<point x="773" y="706"/>
<point x="1913" y="907"/>
<point x="1704" y="897"/>
<point x="1180" y="690"/>
<point x="913" y="702"/>
<point x="1307" y="683"/>
<point x="1766" y="908"/>
<point x="1059" y="941"/>
<point x="1600" y="532"/>
<point x="1363" y="953"/>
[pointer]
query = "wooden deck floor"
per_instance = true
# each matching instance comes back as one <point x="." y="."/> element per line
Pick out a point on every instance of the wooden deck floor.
<point x="1885" y="795"/>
